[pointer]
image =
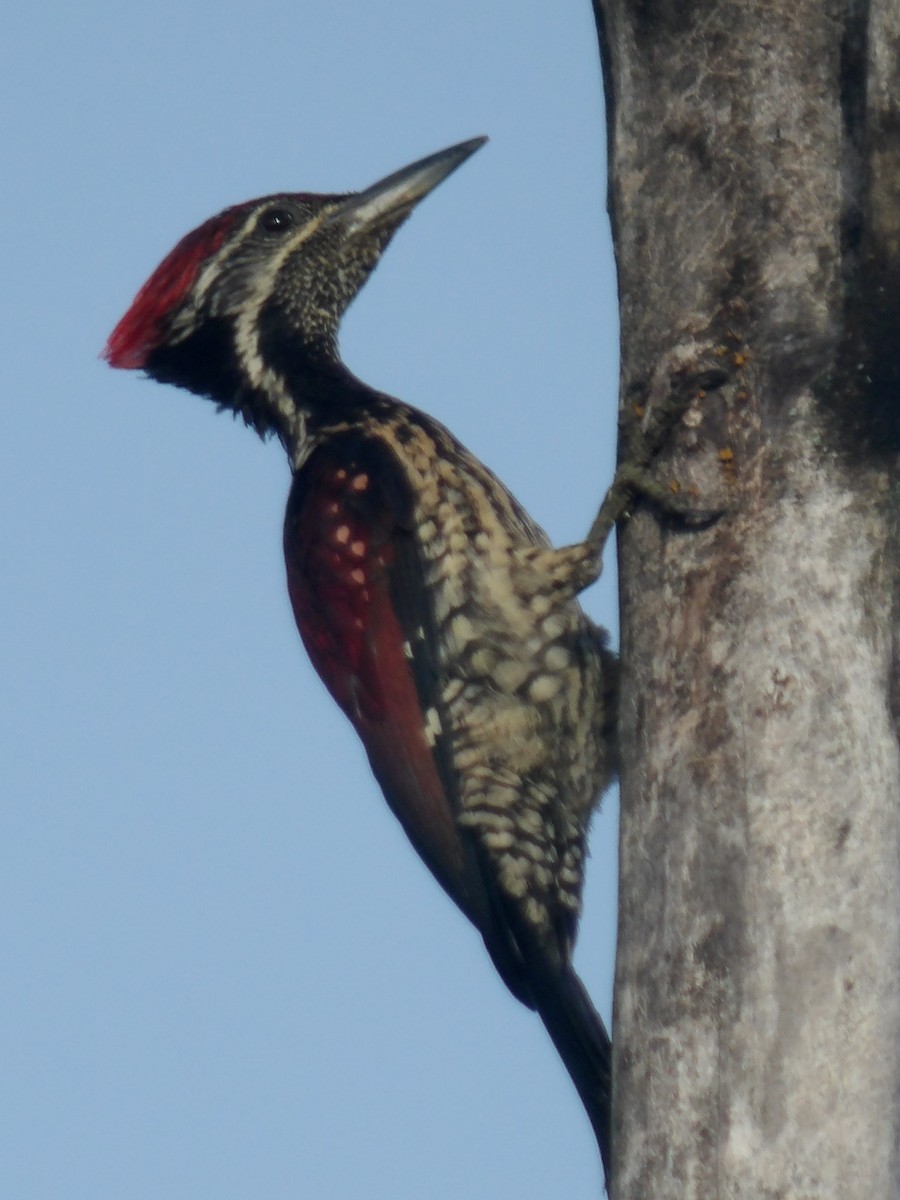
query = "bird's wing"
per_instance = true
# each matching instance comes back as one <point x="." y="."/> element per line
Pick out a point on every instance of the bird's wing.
<point x="357" y="585"/>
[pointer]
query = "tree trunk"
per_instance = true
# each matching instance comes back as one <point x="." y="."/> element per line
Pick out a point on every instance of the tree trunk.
<point x="755" y="200"/>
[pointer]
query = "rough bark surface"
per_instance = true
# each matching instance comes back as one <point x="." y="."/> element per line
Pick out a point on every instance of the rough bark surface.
<point x="755" y="199"/>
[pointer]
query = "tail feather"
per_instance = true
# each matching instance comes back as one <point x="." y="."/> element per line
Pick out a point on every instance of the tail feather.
<point x="580" y="1037"/>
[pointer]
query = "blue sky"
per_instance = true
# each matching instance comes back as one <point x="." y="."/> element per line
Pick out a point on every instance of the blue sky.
<point x="225" y="973"/>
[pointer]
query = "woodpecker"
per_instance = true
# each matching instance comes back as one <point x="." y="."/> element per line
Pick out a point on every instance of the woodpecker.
<point x="433" y="607"/>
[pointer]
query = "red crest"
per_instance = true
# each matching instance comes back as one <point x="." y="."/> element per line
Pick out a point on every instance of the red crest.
<point x="142" y="328"/>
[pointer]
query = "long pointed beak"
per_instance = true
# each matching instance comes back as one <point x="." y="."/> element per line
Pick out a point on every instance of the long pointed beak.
<point x="391" y="199"/>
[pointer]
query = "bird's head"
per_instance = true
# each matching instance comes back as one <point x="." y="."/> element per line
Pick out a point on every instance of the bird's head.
<point x="247" y="306"/>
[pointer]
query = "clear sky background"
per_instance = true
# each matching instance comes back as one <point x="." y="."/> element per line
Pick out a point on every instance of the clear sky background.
<point x="224" y="972"/>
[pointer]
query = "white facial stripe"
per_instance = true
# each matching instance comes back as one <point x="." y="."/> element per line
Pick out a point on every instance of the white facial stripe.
<point x="247" y="333"/>
<point x="246" y="327"/>
<point x="209" y="272"/>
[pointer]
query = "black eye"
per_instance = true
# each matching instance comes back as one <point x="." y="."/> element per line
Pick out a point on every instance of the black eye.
<point x="277" y="220"/>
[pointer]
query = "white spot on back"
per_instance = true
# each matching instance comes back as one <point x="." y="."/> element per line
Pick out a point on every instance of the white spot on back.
<point x="544" y="687"/>
<point x="557" y="658"/>
<point x="433" y="727"/>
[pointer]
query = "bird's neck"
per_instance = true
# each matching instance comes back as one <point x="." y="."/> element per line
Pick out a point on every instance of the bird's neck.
<point x="321" y="391"/>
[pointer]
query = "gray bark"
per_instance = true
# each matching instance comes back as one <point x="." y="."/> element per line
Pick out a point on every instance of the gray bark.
<point x="755" y="199"/>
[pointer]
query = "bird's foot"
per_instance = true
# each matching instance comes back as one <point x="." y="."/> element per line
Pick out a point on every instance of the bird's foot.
<point x="646" y="430"/>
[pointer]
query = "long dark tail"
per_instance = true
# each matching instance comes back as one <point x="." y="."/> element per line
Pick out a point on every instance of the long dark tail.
<point x="580" y="1037"/>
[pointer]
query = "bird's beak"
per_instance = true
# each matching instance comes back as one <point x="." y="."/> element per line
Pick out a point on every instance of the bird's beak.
<point x="391" y="199"/>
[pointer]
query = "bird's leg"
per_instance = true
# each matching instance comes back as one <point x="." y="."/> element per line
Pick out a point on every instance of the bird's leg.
<point x="646" y="430"/>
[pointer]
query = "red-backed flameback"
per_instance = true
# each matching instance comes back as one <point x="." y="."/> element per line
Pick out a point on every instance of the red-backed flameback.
<point x="435" y="610"/>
